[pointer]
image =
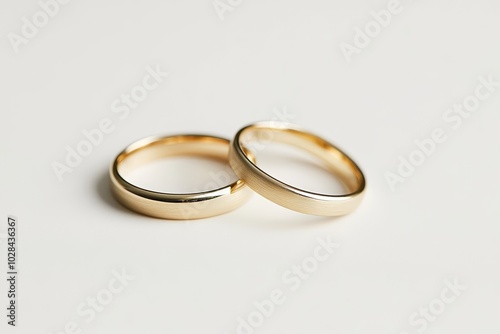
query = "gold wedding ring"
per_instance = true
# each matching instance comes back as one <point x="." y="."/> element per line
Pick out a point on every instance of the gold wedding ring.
<point x="284" y="194"/>
<point x="169" y="205"/>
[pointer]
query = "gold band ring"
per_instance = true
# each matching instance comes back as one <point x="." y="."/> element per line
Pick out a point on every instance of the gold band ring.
<point x="286" y="195"/>
<point x="169" y="205"/>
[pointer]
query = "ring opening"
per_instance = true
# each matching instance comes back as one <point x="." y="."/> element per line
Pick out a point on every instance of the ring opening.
<point x="254" y="138"/>
<point x="177" y="164"/>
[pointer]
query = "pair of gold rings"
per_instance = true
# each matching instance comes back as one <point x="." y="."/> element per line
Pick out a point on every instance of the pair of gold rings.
<point x="251" y="177"/>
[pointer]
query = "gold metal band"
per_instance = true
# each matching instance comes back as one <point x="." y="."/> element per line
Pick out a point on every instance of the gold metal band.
<point x="169" y="205"/>
<point x="286" y="195"/>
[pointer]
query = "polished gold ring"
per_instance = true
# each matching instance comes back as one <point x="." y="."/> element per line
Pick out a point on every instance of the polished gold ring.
<point x="284" y="194"/>
<point x="170" y="205"/>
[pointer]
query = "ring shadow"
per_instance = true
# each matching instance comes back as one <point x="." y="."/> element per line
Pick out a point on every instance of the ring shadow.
<point x="103" y="189"/>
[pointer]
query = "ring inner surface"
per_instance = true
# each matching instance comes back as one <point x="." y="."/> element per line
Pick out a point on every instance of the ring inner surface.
<point x="334" y="159"/>
<point x="148" y="150"/>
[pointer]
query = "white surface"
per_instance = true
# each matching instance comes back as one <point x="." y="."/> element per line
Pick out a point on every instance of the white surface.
<point x="395" y="251"/>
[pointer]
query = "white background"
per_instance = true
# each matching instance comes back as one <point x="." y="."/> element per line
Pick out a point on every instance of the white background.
<point x="396" y="250"/>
